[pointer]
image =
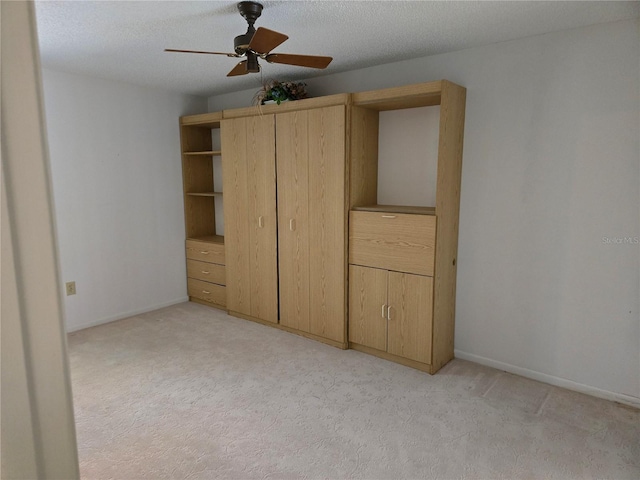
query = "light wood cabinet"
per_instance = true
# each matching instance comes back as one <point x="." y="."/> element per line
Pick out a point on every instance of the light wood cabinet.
<point x="311" y="179"/>
<point x="391" y="312"/>
<point x="300" y="204"/>
<point x="200" y="145"/>
<point x="248" y="167"/>
<point x="417" y="244"/>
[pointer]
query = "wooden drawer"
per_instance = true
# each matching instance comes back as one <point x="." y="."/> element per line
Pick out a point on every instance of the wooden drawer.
<point x="205" y="251"/>
<point x="394" y="241"/>
<point x="209" y="292"/>
<point x="208" y="272"/>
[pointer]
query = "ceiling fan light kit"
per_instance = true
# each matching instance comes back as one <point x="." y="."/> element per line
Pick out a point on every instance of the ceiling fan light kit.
<point x="258" y="43"/>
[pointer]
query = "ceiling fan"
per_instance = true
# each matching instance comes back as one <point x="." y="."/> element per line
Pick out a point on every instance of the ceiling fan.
<point x="258" y="44"/>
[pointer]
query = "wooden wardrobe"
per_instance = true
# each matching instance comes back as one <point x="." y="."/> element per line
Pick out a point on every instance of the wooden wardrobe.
<point x="306" y="246"/>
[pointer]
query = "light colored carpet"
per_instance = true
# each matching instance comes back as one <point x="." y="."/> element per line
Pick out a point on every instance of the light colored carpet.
<point x="189" y="392"/>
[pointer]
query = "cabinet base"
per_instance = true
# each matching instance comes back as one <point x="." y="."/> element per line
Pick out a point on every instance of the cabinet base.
<point x="333" y="343"/>
<point x="431" y="369"/>
<point x="208" y="304"/>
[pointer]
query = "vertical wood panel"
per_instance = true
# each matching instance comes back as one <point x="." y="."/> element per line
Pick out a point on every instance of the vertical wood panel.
<point x="410" y="297"/>
<point x="363" y="186"/>
<point x="367" y="306"/>
<point x="452" y="112"/>
<point x="327" y="226"/>
<point x="236" y="208"/>
<point x="293" y="200"/>
<point x="262" y="205"/>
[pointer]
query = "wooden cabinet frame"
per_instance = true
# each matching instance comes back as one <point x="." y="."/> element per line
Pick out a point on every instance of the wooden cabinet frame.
<point x="360" y="183"/>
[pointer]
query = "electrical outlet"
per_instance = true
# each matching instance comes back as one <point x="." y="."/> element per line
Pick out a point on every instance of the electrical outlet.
<point x="71" y="288"/>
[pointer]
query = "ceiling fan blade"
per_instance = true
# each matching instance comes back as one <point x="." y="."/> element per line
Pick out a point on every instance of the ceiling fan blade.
<point x="265" y="40"/>
<point x="197" y="51"/>
<point x="312" y="61"/>
<point x="239" y="69"/>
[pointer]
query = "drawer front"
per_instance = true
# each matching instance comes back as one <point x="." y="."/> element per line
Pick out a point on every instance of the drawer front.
<point x="208" y="272"/>
<point x="209" y="292"/>
<point x="394" y="241"/>
<point x="205" y="252"/>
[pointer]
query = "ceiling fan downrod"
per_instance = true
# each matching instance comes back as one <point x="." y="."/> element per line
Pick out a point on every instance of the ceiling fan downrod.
<point x="250" y="11"/>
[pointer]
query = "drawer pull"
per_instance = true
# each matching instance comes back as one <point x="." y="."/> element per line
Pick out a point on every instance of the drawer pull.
<point x="389" y="312"/>
<point x="383" y="307"/>
<point x="388" y="216"/>
<point x="292" y="225"/>
<point x="204" y="252"/>
<point x="205" y="272"/>
<point x="261" y="221"/>
<point x="206" y="292"/>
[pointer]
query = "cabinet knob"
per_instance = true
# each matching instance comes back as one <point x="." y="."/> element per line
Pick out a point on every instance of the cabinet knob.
<point x="261" y="221"/>
<point x="205" y="272"/>
<point x="388" y="312"/>
<point x="206" y="292"/>
<point x="384" y="306"/>
<point x="204" y="252"/>
<point x="292" y="225"/>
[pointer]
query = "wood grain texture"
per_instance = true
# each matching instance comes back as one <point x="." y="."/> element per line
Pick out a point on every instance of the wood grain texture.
<point x="293" y="205"/>
<point x="410" y="316"/>
<point x="367" y="306"/>
<point x="401" y="242"/>
<point x="207" y="272"/>
<point x="197" y="176"/>
<point x="452" y="114"/>
<point x="292" y="106"/>
<point x="205" y="251"/>
<point x="425" y="367"/>
<point x="236" y="210"/>
<point x="363" y="171"/>
<point x="327" y="187"/>
<point x="261" y="170"/>
<point x="397" y="209"/>
<point x="327" y="341"/>
<point x="250" y="216"/>
<point x="203" y="120"/>
<point x="209" y="292"/>
<point x="396" y="98"/>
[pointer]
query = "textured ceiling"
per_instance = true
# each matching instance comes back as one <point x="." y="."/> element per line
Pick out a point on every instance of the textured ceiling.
<point x="124" y="40"/>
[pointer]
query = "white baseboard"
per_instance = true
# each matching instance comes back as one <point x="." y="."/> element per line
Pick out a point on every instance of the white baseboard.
<point x="550" y="379"/>
<point x="120" y="316"/>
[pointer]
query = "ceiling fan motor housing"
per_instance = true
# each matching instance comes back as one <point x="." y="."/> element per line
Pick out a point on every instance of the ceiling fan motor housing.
<point x="250" y="11"/>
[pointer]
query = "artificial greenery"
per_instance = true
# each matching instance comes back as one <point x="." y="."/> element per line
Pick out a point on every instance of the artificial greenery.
<point x="282" y="91"/>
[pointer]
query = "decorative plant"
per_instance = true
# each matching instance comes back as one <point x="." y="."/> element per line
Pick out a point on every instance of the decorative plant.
<point x="281" y="91"/>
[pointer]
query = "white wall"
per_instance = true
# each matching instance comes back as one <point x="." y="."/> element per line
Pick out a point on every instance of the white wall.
<point x="551" y="167"/>
<point x="117" y="184"/>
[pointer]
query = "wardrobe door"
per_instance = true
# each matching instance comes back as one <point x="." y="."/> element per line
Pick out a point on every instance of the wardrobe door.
<point x="327" y="222"/>
<point x="293" y="218"/>
<point x="410" y="316"/>
<point x="248" y="166"/>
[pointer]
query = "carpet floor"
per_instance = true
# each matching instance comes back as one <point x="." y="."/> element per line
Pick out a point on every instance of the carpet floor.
<point x="189" y="392"/>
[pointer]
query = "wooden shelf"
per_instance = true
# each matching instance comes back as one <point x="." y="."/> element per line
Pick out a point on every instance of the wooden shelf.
<point x="217" y="239"/>
<point x="397" y="209"/>
<point x="205" y="194"/>
<point x="209" y="153"/>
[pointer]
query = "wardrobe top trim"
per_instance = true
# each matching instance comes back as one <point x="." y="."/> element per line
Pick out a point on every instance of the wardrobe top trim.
<point x="395" y="98"/>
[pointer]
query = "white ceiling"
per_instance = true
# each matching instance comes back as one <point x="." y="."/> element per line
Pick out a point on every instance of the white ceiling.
<point x="124" y="40"/>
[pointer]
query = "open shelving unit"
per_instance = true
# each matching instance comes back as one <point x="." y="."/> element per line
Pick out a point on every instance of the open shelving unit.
<point x="201" y="149"/>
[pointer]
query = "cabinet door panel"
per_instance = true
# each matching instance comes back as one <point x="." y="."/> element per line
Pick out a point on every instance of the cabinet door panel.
<point x="367" y="306"/>
<point x="293" y="218"/>
<point x="248" y="166"/>
<point x="262" y="220"/>
<point x="327" y="222"/>
<point x="410" y="322"/>
<point x="234" y="177"/>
